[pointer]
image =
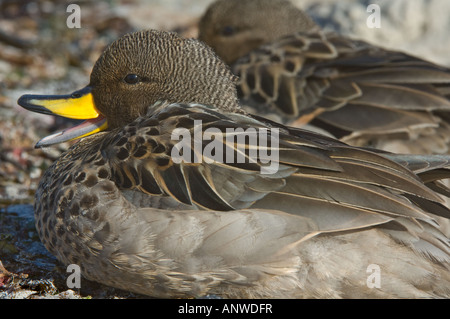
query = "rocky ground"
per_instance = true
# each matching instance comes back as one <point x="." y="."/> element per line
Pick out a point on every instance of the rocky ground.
<point x="40" y="54"/>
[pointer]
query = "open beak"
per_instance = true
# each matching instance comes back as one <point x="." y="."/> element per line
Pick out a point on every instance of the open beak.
<point x="78" y="105"/>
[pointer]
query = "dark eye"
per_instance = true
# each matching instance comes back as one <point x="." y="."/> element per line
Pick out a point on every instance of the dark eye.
<point x="132" y="79"/>
<point x="228" y="30"/>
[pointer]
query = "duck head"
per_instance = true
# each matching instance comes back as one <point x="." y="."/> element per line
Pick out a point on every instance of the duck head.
<point x="235" y="27"/>
<point x="131" y="75"/>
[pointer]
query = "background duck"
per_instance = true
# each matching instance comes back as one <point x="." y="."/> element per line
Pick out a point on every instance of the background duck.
<point x="293" y="72"/>
<point x="119" y="206"/>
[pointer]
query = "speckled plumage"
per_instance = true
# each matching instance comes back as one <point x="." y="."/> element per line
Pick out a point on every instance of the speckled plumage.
<point x="119" y="206"/>
<point x="292" y="71"/>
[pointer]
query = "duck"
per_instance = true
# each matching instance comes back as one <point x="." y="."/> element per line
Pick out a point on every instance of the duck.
<point x="292" y="71"/>
<point x="172" y="190"/>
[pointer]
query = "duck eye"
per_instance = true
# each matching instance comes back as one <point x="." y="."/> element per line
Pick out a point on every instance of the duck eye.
<point x="132" y="79"/>
<point x="228" y="30"/>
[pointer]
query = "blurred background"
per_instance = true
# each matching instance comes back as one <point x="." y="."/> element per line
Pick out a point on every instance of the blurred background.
<point x="40" y="54"/>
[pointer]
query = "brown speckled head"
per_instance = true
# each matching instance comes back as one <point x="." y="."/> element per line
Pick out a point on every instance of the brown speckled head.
<point x="235" y="27"/>
<point x="148" y="66"/>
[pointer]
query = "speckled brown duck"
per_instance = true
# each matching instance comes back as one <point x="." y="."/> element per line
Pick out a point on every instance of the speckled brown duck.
<point x="120" y="206"/>
<point x="294" y="72"/>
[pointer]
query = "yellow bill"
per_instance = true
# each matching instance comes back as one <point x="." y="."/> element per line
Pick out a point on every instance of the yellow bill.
<point x="78" y="105"/>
